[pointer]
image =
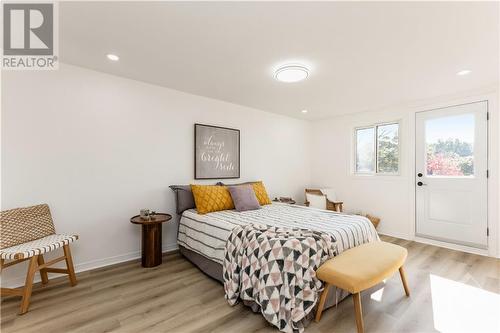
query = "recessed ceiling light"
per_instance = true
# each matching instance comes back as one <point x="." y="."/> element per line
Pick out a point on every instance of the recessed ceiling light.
<point x="291" y="73"/>
<point x="464" y="72"/>
<point x="304" y="111"/>
<point x="113" y="57"/>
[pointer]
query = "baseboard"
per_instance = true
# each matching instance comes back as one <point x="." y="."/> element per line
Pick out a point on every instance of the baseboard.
<point x="452" y="246"/>
<point x="446" y="245"/>
<point x="395" y="234"/>
<point x="89" y="265"/>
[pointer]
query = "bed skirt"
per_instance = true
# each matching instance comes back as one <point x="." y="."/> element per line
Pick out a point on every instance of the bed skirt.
<point x="214" y="270"/>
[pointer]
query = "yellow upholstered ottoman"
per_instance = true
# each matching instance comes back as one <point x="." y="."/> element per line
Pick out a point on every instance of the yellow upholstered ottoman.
<point x="360" y="268"/>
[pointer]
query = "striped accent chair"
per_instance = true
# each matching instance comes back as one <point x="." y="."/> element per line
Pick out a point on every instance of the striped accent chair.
<point x="26" y="234"/>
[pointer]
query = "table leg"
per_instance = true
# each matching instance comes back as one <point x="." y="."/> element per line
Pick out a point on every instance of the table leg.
<point x="151" y="245"/>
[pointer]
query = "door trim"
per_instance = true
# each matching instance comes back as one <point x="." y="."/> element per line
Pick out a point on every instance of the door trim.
<point x="444" y="241"/>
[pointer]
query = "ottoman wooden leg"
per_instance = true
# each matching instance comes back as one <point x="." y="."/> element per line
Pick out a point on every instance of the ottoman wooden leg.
<point x="403" y="279"/>
<point x="358" y="312"/>
<point x="322" y="300"/>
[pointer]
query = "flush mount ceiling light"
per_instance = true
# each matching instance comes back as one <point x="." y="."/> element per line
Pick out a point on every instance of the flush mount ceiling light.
<point x="291" y="73"/>
<point x="113" y="57"/>
<point x="304" y="111"/>
<point x="463" y="72"/>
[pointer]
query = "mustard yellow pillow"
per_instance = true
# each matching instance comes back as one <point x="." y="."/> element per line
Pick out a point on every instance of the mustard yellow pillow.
<point x="261" y="193"/>
<point x="211" y="198"/>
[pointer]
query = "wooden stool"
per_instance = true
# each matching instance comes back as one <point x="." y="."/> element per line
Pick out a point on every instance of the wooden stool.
<point x="361" y="268"/>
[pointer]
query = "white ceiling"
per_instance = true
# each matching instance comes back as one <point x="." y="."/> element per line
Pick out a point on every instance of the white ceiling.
<point x="363" y="55"/>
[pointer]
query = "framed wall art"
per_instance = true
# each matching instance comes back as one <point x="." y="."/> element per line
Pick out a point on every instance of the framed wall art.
<point x="216" y="152"/>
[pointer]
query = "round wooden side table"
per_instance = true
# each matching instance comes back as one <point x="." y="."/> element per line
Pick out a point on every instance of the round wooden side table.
<point x="151" y="238"/>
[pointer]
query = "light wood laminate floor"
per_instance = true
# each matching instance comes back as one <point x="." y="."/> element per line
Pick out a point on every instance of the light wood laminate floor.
<point x="177" y="297"/>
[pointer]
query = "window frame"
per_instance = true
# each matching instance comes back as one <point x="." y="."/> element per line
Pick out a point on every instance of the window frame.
<point x="375" y="142"/>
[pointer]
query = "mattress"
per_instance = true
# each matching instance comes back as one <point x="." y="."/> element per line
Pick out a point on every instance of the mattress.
<point x="206" y="234"/>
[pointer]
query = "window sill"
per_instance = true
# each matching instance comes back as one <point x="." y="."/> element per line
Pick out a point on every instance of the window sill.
<point x="394" y="177"/>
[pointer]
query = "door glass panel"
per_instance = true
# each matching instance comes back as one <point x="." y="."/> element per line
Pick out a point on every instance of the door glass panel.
<point x="449" y="143"/>
<point x="365" y="150"/>
<point x="387" y="148"/>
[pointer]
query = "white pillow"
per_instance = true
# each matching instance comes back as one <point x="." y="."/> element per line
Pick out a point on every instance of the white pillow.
<point x="330" y="194"/>
<point x="316" y="201"/>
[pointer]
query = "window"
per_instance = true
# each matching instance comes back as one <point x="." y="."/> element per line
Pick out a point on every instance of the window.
<point x="365" y="150"/>
<point x="377" y="149"/>
<point x="449" y="144"/>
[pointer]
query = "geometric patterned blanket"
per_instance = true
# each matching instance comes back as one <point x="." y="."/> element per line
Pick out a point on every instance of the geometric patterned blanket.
<point x="272" y="269"/>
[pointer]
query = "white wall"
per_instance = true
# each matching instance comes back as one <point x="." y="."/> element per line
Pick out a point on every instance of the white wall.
<point x="392" y="197"/>
<point x="97" y="148"/>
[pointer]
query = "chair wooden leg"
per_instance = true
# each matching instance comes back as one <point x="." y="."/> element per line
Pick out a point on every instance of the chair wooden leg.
<point x="28" y="285"/>
<point x="69" y="265"/>
<point x="358" y="312"/>
<point x="43" y="271"/>
<point x="403" y="279"/>
<point x="322" y="300"/>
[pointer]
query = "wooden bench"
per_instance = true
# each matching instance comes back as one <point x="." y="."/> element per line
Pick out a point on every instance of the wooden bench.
<point x="27" y="234"/>
<point x="361" y="268"/>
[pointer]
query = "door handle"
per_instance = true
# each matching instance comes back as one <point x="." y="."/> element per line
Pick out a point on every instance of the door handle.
<point x="421" y="184"/>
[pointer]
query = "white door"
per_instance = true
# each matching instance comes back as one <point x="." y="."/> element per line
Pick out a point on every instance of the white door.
<point x="451" y="174"/>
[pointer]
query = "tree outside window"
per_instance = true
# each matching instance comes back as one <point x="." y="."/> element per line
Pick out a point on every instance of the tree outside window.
<point x="451" y="157"/>
<point x="449" y="143"/>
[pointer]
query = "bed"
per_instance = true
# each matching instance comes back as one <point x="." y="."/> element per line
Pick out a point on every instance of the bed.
<point x="202" y="238"/>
